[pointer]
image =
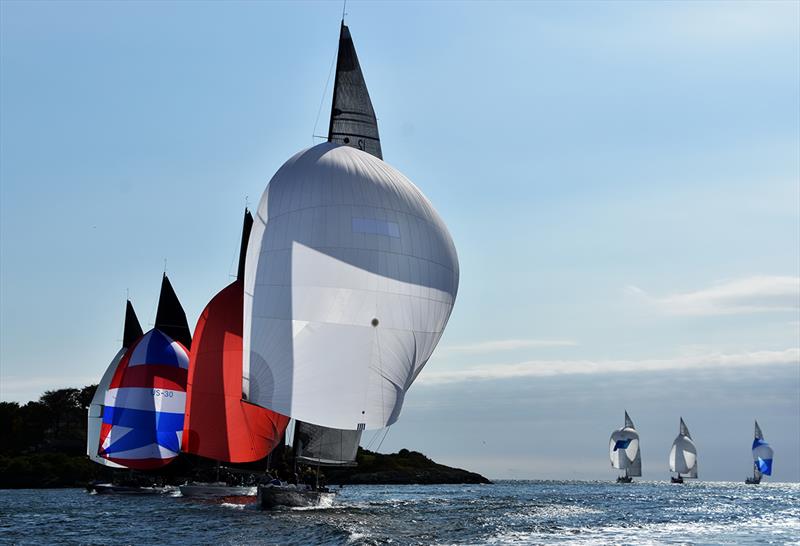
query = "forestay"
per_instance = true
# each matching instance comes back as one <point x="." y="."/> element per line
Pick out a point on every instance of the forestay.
<point x="350" y="279"/>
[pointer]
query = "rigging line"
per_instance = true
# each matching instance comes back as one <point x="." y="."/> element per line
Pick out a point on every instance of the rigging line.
<point x="324" y="94"/>
<point x="378" y="449"/>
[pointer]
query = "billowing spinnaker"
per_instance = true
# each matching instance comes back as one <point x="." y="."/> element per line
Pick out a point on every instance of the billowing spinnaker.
<point x="350" y="279"/>
<point x="624" y="451"/>
<point x="683" y="455"/>
<point x="144" y="404"/>
<point x="762" y="453"/>
<point x="219" y="424"/>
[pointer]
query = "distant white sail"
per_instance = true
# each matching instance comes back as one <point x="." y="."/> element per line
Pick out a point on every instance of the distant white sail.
<point x="624" y="449"/>
<point x="350" y="279"/>
<point x="683" y="455"/>
<point x="95" y="410"/>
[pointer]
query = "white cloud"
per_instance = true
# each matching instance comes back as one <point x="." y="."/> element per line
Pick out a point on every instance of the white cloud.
<point x="749" y="295"/>
<point x="549" y="368"/>
<point x="505" y="345"/>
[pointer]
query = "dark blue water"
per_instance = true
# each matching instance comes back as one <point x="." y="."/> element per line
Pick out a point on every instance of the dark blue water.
<point x="504" y="513"/>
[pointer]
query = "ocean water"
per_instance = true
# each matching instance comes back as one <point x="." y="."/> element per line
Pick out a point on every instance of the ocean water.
<point x="511" y="512"/>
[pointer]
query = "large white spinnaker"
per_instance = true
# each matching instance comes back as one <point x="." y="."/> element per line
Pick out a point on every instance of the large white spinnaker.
<point x="624" y="449"/>
<point x="683" y="455"/>
<point x="350" y="279"/>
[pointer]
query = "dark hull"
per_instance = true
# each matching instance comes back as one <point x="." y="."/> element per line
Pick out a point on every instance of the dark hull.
<point x="752" y="481"/>
<point x="624" y="479"/>
<point x="673" y="479"/>
<point x="289" y="496"/>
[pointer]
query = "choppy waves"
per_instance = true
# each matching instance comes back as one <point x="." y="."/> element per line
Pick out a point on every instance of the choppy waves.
<point x="512" y="513"/>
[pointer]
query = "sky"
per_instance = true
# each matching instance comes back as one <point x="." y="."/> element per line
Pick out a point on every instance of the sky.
<point x="621" y="180"/>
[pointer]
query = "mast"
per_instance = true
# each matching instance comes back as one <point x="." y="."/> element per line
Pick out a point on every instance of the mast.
<point x="246" y="227"/>
<point x="353" y="121"/>
<point x="170" y="316"/>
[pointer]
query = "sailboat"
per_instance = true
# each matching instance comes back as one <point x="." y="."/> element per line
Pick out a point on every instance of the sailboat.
<point x="143" y="405"/>
<point x="314" y="446"/>
<point x="762" y="457"/>
<point x="683" y="456"/>
<point x="220" y="424"/>
<point x="350" y="276"/>
<point x="624" y="451"/>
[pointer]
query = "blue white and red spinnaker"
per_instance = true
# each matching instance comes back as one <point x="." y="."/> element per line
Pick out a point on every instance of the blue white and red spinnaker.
<point x="145" y="403"/>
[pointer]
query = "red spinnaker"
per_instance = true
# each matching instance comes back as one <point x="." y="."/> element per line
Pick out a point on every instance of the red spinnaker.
<point x="219" y="424"/>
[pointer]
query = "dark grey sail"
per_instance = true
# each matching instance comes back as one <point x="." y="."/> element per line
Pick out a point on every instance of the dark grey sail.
<point x="246" y="227"/>
<point x="170" y="316"/>
<point x="325" y="446"/>
<point x="132" y="330"/>
<point x="353" y="120"/>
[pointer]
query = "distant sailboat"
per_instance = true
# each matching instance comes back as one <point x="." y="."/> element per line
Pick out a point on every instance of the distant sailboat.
<point x="131" y="332"/>
<point x="683" y="456"/>
<point x="219" y="424"/>
<point x="762" y="457"/>
<point x="145" y="399"/>
<point x="624" y="451"/>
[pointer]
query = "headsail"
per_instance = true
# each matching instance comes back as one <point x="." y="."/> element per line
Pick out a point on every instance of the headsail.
<point x="762" y="454"/>
<point x="145" y="400"/>
<point x="170" y="316"/>
<point x="325" y="446"/>
<point x="683" y="455"/>
<point x="131" y="332"/>
<point x="624" y="449"/>
<point x="219" y="424"/>
<point x="350" y="279"/>
<point x="353" y="120"/>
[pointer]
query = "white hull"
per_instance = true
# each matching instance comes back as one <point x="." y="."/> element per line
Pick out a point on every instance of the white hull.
<point x="217" y="490"/>
<point x="272" y="496"/>
<point x="109" y="488"/>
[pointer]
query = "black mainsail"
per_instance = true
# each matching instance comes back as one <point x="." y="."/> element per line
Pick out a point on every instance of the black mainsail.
<point x="353" y="121"/>
<point x="133" y="330"/>
<point x="324" y="446"/>
<point x="170" y="316"/>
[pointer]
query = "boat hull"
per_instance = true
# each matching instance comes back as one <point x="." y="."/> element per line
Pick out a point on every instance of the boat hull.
<point x="211" y="490"/>
<point x="679" y="479"/>
<point x="624" y="479"/>
<point x="290" y="496"/>
<point x="111" y="489"/>
<point x="752" y="481"/>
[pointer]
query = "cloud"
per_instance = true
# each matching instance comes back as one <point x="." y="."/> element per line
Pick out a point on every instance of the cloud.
<point x="506" y="345"/>
<point x="749" y="295"/>
<point x="549" y="368"/>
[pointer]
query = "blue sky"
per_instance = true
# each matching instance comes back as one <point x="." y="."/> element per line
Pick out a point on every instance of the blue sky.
<point x="622" y="182"/>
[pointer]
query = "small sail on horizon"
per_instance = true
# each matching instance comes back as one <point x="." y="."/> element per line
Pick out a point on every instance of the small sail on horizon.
<point x="353" y="121"/>
<point x="624" y="449"/>
<point x="132" y="330"/>
<point x="762" y="455"/>
<point x="219" y="424"/>
<point x="145" y="400"/>
<point x="683" y="455"/>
